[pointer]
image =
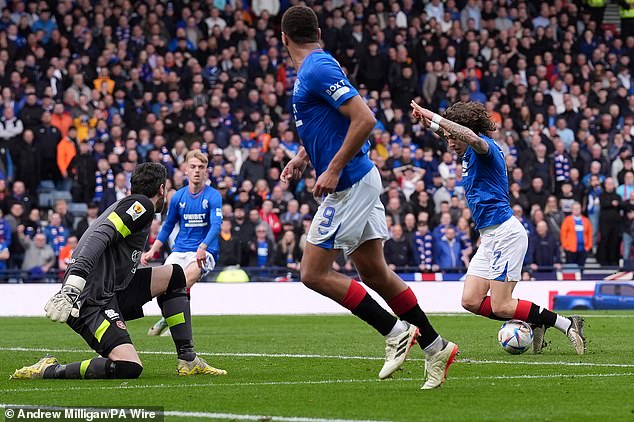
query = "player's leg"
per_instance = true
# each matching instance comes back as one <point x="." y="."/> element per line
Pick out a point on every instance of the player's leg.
<point x="509" y="249"/>
<point x="317" y="275"/>
<point x="373" y="270"/>
<point x="169" y="286"/>
<point x="187" y="260"/>
<point x="193" y="273"/>
<point x="103" y="328"/>
<point x="475" y="297"/>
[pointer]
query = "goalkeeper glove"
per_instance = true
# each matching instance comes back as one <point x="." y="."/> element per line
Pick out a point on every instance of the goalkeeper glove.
<point x="66" y="301"/>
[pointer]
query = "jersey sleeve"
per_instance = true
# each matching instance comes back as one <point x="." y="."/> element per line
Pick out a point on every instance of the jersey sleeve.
<point x="215" y="217"/>
<point x="170" y="220"/>
<point x="327" y="80"/>
<point x="493" y="148"/>
<point x="131" y="215"/>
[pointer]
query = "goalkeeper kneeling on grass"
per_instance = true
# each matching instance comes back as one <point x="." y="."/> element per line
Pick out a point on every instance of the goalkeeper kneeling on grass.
<point x="103" y="288"/>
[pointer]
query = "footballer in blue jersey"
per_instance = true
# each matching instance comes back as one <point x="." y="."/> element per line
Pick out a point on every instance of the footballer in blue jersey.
<point x="497" y="265"/>
<point x="197" y="209"/>
<point x="334" y="123"/>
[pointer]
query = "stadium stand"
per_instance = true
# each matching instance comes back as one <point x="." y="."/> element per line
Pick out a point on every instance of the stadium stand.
<point x="90" y="89"/>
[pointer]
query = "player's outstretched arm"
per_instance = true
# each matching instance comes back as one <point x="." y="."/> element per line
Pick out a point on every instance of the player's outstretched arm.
<point x="452" y="129"/>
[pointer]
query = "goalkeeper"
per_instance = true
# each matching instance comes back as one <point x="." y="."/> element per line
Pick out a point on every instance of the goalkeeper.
<point x="103" y="288"/>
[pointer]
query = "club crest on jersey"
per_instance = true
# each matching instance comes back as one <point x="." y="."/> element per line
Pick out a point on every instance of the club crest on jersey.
<point x="136" y="210"/>
<point x="205" y="204"/>
<point x="337" y="89"/>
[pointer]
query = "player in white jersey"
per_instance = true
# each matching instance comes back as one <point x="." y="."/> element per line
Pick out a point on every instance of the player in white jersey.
<point x="497" y="264"/>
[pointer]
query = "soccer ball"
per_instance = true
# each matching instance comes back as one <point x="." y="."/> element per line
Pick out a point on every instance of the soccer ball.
<point x="515" y="336"/>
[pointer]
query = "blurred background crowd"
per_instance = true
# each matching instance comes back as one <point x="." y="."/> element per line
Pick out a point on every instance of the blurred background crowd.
<point x="89" y="89"/>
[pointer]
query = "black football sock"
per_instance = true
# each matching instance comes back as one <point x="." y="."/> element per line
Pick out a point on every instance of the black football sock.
<point x="405" y="305"/>
<point x="175" y="308"/>
<point x="361" y="304"/>
<point x="533" y="314"/>
<point x="97" y="368"/>
<point x="374" y="314"/>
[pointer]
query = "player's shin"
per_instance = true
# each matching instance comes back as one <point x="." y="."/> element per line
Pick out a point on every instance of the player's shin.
<point x="361" y="304"/>
<point x="405" y="305"/>
<point x="533" y="314"/>
<point x="96" y="368"/>
<point x="175" y="309"/>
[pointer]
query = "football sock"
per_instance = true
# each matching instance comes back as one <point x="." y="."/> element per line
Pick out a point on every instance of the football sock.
<point x="435" y="346"/>
<point x="96" y="368"/>
<point x="485" y="310"/>
<point x="175" y="309"/>
<point x="562" y="324"/>
<point x="533" y="314"/>
<point x="399" y="328"/>
<point x="361" y="304"/>
<point x="405" y="305"/>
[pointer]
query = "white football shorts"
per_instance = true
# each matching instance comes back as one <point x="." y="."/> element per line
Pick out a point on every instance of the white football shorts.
<point x="184" y="259"/>
<point x="350" y="217"/>
<point x="501" y="253"/>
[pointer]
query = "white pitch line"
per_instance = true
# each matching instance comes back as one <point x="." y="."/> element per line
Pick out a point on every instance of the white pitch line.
<point x="317" y="382"/>
<point x="340" y="357"/>
<point x="205" y="415"/>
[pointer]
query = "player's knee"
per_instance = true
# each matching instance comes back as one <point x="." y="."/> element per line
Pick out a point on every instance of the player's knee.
<point x="124" y="369"/>
<point x="178" y="281"/>
<point x="471" y="304"/>
<point x="311" y="279"/>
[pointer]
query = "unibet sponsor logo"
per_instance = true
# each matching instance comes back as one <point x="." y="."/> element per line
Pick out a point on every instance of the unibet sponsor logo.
<point x="195" y="220"/>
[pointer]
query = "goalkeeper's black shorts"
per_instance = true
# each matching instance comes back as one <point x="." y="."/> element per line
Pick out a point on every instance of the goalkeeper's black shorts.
<point x="103" y="327"/>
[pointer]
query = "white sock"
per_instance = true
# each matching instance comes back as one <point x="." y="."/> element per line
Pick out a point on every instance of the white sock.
<point x="435" y="346"/>
<point x="399" y="328"/>
<point x="562" y="324"/>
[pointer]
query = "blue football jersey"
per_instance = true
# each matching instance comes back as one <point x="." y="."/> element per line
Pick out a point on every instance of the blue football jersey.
<point x="486" y="185"/>
<point x="199" y="218"/>
<point x="320" y="89"/>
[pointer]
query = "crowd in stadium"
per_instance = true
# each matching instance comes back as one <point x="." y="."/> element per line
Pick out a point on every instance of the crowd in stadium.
<point x="90" y="89"/>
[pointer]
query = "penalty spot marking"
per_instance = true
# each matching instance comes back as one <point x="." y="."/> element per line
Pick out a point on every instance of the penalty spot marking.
<point x="318" y="382"/>
<point x="210" y="415"/>
<point x="317" y="356"/>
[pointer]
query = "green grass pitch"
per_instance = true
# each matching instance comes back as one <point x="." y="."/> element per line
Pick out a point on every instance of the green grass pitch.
<point x="321" y="368"/>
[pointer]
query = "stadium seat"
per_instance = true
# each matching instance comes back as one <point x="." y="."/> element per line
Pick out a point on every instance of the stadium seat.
<point x="62" y="194"/>
<point x="45" y="199"/>
<point x="78" y="209"/>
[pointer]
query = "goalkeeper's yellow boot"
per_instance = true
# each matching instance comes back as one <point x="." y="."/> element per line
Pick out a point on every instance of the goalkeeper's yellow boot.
<point x="35" y="371"/>
<point x="197" y="367"/>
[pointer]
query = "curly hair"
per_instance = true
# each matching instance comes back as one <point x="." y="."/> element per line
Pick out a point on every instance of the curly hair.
<point x="471" y="114"/>
<point x="148" y="178"/>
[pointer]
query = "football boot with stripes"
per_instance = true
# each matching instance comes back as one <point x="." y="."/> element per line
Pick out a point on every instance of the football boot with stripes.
<point x="396" y="350"/>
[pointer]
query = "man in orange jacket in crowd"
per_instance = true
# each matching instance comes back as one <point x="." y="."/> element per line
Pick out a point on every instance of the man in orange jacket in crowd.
<point x="576" y="236"/>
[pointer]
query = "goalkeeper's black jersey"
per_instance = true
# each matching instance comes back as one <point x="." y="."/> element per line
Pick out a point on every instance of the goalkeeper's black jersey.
<point x="109" y="252"/>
